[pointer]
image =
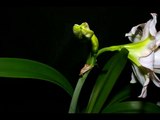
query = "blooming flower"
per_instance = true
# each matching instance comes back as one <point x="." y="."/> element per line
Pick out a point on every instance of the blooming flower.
<point x="144" y="52"/>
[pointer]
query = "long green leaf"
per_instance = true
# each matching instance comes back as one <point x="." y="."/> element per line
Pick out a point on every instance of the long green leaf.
<point x="122" y="95"/>
<point x="24" y="68"/>
<point x="75" y="97"/>
<point x="132" y="107"/>
<point x="106" y="81"/>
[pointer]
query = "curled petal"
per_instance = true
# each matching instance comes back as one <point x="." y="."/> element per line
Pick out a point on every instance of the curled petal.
<point x="144" y="89"/>
<point x="153" y="23"/>
<point x="145" y="33"/>
<point x="139" y="74"/>
<point x="143" y="92"/>
<point x="133" y="79"/>
<point x="134" y="35"/>
<point x="150" y="28"/>
<point x="155" y="79"/>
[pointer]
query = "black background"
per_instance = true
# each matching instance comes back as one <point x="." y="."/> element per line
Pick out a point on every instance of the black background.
<point x="44" y="33"/>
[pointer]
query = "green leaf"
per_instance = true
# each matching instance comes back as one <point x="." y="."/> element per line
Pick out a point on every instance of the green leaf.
<point x="122" y="95"/>
<point x="132" y="107"/>
<point x="24" y="68"/>
<point x="106" y="81"/>
<point x="75" y="97"/>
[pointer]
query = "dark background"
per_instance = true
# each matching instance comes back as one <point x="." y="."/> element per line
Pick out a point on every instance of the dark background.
<point x="44" y="34"/>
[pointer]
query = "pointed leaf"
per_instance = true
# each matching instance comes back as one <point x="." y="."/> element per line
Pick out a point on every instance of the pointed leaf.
<point x="24" y="68"/>
<point x="106" y="81"/>
<point x="122" y="95"/>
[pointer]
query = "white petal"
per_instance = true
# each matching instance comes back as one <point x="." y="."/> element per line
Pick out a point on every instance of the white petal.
<point x="139" y="74"/>
<point x="133" y="79"/>
<point x="149" y="28"/>
<point x="155" y="79"/>
<point x="157" y="70"/>
<point x="157" y="37"/>
<point x="147" y="61"/>
<point x="143" y="92"/>
<point x="145" y="33"/>
<point x="157" y="59"/>
<point x="144" y="89"/>
<point x="132" y="35"/>
<point x="153" y="23"/>
<point x="134" y="29"/>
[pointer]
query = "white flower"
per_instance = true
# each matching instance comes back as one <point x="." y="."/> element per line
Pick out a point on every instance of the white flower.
<point x="144" y="52"/>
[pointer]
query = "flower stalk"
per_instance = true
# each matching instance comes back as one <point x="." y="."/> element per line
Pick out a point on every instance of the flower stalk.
<point x="81" y="31"/>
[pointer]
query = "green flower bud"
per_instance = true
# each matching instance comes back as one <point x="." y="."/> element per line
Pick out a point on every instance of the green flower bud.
<point x="84" y="30"/>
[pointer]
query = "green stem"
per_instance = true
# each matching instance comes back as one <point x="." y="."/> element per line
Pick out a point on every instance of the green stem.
<point x="76" y="93"/>
<point x="91" y="61"/>
<point x="111" y="48"/>
<point x="73" y="105"/>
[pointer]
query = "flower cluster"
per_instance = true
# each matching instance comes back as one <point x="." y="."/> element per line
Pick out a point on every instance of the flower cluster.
<point x="146" y="53"/>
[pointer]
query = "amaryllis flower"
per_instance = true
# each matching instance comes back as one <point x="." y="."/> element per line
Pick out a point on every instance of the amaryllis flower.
<point x="144" y="52"/>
